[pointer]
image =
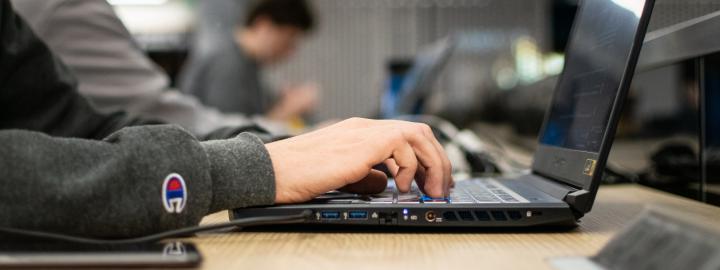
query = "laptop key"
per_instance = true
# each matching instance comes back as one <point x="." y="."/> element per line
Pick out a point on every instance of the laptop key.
<point x="384" y="200"/>
<point x="408" y="201"/>
<point x="461" y="198"/>
<point x="381" y="202"/>
<point x="429" y="200"/>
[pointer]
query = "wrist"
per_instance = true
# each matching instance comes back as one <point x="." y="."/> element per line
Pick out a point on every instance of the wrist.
<point x="241" y="171"/>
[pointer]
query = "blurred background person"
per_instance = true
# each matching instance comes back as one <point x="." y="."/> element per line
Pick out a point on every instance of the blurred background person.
<point x="113" y="72"/>
<point x="230" y="77"/>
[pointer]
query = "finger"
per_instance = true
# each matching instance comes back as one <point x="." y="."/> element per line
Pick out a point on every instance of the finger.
<point x="419" y="174"/>
<point x="375" y="182"/>
<point x="447" y="181"/>
<point x="406" y="160"/>
<point x="429" y="157"/>
<point x="447" y="166"/>
<point x="407" y="144"/>
<point x="392" y="166"/>
<point x="420" y="178"/>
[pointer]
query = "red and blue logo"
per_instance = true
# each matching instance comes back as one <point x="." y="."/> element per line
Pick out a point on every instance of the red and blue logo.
<point x="174" y="193"/>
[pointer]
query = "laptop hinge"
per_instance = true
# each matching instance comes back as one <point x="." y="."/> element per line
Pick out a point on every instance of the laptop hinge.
<point x="571" y="195"/>
<point x="577" y="198"/>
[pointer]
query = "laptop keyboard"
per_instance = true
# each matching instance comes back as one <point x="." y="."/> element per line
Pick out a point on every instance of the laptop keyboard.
<point x="475" y="191"/>
<point x="482" y="190"/>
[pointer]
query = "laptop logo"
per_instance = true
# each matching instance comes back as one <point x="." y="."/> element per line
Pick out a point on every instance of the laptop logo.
<point x="589" y="169"/>
<point x="559" y="162"/>
<point x="174" y="193"/>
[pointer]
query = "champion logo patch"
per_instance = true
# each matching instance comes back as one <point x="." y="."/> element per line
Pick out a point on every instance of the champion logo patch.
<point x="174" y="193"/>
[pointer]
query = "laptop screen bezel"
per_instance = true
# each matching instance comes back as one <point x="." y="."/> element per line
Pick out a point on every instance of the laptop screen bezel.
<point x="569" y="166"/>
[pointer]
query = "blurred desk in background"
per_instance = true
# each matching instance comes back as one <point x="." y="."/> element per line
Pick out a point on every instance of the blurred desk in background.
<point x="394" y="249"/>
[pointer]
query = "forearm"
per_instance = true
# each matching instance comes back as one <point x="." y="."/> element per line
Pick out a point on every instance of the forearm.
<point x="114" y="187"/>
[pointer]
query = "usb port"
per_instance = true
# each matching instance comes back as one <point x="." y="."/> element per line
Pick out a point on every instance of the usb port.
<point x="357" y="215"/>
<point x="330" y="215"/>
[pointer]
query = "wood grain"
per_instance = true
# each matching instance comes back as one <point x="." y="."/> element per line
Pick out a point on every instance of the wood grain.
<point x="483" y="249"/>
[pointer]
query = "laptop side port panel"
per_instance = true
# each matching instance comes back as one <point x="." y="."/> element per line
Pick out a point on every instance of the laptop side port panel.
<point x="355" y="216"/>
<point x="329" y="215"/>
<point x="440" y="217"/>
<point x="423" y="216"/>
<point x="473" y="217"/>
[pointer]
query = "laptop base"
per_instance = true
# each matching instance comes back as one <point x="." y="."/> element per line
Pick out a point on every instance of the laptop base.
<point x="536" y="209"/>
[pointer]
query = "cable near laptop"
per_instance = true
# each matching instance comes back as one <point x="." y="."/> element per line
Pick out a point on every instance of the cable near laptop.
<point x="182" y="232"/>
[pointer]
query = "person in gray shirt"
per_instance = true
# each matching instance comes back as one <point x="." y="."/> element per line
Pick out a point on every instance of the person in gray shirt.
<point x="229" y="77"/>
<point x="113" y="72"/>
<point x="66" y="168"/>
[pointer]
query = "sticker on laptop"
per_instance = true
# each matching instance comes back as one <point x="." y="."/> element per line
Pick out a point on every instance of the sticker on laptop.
<point x="174" y="193"/>
<point x="589" y="168"/>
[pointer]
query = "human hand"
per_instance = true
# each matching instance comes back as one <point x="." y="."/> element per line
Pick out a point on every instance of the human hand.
<point x="342" y="155"/>
<point x="295" y="101"/>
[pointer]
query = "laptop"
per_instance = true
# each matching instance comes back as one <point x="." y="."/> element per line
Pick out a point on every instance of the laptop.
<point x="418" y="83"/>
<point x="573" y="144"/>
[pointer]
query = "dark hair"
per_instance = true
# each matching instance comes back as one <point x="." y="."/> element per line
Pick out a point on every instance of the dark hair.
<point x="295" y="13"/>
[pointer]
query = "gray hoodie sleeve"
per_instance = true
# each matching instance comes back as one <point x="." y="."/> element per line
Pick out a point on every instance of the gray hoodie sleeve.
<point x="114" y="187"/>
<point x="66" y="168"/>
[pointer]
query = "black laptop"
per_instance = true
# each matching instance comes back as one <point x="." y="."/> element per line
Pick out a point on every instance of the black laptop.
<point x="574" y="144"/>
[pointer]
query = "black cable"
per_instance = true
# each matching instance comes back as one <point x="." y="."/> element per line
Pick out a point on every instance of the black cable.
<point x="244" y="222"/>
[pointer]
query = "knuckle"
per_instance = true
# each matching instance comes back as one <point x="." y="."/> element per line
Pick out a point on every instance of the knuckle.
<point x="414" y="164"/>
<point x="425" y="128"/>
<point x="418" y="128"/>
<point x="397" y="136"/>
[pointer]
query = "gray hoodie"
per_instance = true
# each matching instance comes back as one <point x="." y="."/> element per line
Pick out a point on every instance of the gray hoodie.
<point x="66" y="168"/>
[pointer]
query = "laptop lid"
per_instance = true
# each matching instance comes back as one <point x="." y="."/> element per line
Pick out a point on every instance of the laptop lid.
<point x="580" y="124"/>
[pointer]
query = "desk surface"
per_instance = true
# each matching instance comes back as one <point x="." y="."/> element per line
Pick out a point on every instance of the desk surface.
<point x="616" y="207"/>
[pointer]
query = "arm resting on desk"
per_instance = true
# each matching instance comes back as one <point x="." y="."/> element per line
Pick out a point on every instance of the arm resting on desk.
<point x="113" y="188"/>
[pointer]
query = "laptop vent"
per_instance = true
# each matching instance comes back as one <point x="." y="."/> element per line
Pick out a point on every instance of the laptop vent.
<point x="481" y="215"/>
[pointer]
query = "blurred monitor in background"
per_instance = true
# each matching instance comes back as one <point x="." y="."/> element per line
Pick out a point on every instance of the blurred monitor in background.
<point x="417" y="84"/>
<point x="397" y="70"/>
<point x="231" y="78"/>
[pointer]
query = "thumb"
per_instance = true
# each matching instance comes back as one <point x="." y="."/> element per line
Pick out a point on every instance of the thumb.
<point x="375" y="182"/>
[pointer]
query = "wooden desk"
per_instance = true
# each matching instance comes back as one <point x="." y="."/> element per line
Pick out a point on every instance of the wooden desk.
<point x="616" y="207"/>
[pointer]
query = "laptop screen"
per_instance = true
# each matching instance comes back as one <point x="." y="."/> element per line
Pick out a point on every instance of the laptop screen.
<point x="599" y="55"/>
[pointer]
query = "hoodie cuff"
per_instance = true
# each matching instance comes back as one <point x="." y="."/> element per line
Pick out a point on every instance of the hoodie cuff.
<point x="242" y="173"/>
